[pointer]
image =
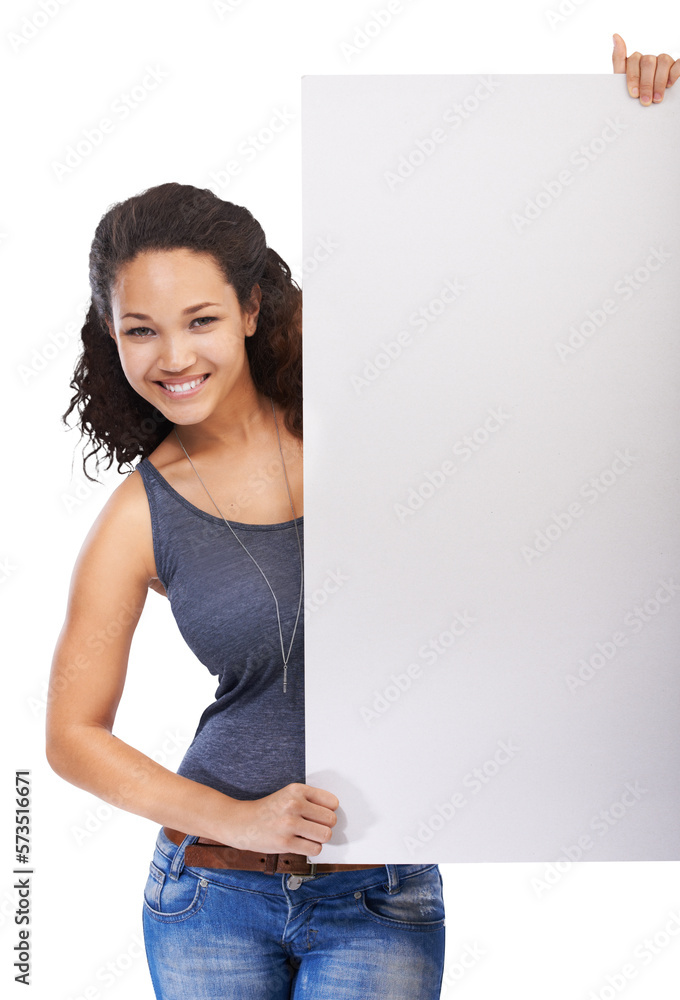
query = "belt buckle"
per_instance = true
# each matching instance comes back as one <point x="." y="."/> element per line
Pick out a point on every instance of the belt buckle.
<point x="295" y="881"/>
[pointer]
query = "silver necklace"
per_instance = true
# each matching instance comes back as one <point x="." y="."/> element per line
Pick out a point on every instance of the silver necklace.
<point x="286" y="656"/>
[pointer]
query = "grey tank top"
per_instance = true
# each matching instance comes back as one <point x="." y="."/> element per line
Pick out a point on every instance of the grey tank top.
<point x="251" y="740"/>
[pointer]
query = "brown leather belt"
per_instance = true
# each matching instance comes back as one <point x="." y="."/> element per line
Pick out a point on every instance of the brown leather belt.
<point x="211" y="854"/>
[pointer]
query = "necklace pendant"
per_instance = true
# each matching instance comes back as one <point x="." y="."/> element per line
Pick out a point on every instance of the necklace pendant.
<point x="285" y="676"/>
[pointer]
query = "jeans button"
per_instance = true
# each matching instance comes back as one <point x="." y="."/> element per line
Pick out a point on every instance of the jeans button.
<point x="294" y="882"/>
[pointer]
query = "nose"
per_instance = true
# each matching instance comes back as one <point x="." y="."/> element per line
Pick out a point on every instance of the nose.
<point x="176" y="355"/>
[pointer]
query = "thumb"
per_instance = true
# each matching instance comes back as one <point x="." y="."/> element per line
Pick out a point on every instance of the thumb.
<point x="619" y="54"/>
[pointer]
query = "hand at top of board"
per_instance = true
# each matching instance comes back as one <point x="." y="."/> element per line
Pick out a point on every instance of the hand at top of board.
<point x="647" y="77"/>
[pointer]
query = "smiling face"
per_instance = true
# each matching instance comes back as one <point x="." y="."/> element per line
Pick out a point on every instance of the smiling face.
<point x="181" y="333"/>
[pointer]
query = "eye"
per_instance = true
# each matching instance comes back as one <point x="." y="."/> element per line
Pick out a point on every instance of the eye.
<point x="204" y="320"/>
<point x="136" y="330"/>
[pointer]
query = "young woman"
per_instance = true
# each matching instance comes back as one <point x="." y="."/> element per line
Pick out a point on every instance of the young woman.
<point x="192" y="364"/>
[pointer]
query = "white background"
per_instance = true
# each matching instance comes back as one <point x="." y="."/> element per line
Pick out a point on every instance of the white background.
<point x="226" y="76"/>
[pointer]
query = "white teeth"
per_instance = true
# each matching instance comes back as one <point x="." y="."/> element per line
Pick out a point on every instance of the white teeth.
<point x="185" y="386"/>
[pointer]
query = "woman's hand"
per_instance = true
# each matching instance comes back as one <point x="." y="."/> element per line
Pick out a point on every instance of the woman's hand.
<point x="647" y="77"/>
<point x="297" y="819"/>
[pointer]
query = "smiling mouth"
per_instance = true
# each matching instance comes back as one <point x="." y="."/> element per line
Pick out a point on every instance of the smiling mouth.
<point x="180" y="388"/>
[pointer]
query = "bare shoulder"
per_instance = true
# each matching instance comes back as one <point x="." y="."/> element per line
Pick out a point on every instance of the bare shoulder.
<point x="109" y="585"/>
<point x="125" y="522"/>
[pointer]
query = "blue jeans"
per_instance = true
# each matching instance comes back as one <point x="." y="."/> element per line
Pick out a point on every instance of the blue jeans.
<point x="236" y="935"/>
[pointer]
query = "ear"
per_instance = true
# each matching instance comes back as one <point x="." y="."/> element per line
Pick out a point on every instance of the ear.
<point x="252" y="310"/>
<point x="110" y="327"/>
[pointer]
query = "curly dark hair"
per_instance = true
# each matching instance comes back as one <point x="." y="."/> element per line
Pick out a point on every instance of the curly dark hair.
<point x="117" y="420"/>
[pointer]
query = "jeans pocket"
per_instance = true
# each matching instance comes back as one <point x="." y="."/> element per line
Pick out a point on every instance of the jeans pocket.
<point x="418" y="904"/>
<point x="169" y="900"/>
<point x="154" y="884"/>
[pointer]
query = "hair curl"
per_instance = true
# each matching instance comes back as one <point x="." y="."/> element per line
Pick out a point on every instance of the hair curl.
<point x="117" y="420"/>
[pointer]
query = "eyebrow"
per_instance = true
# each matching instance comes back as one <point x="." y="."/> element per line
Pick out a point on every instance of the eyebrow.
<point x="185" y="312"/>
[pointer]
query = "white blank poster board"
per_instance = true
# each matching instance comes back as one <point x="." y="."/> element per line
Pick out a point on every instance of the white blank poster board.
<point x="492" y="445"/>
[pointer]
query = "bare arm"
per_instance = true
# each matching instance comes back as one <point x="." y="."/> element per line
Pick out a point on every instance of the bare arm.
<point x="109" y="585"/>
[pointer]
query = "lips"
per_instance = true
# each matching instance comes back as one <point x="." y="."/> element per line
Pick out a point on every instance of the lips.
<point x="185" y="387"/>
